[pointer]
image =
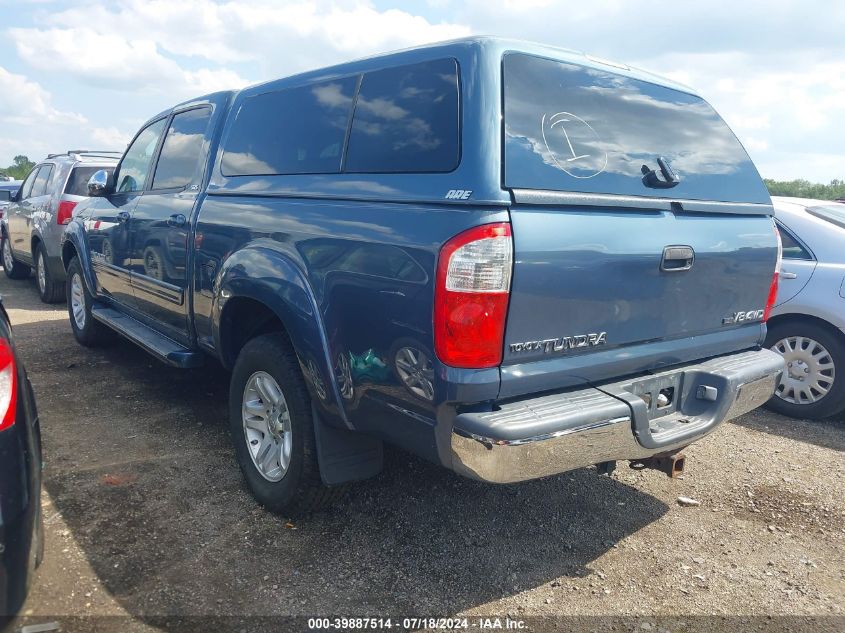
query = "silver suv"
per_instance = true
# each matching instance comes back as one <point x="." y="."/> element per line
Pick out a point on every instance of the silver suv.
<point x="35" y="219"/>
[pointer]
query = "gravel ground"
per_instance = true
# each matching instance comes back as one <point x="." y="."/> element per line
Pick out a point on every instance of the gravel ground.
<point x="147" y="515"/>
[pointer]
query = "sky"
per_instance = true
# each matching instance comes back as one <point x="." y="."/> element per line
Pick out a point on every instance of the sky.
<point x="86" y="75"/>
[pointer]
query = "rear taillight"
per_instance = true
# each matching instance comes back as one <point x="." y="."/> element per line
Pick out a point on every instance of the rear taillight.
<point x="65" y="212"/>
<point x="471" y="296"/>
<point x="773" y="287"/>
<point x="8" y="386"/>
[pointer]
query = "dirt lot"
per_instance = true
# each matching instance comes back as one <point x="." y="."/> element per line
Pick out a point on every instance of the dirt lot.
<point x="147" y="515"/>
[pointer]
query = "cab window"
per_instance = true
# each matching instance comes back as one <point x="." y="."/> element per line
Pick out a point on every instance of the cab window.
<point x="135" y="166"/>
<point x="407" y="120"/>
<point x="297" y="130"/>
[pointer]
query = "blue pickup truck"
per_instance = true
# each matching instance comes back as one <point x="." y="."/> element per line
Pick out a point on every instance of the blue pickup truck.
<point x="510" y="259"/>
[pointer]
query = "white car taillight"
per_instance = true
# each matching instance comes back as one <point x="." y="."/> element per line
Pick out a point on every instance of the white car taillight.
<point x="773" y="287"/>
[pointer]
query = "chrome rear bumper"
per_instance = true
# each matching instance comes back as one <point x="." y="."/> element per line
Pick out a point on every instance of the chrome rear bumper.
<point x="538" y="437"/>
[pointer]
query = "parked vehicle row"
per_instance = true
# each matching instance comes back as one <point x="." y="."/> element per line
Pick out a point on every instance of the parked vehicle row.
<point x="32" y="226"/>
<point x="375" y="259"/>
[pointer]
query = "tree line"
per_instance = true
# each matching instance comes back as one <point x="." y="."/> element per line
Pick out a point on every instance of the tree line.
<point x="805" y="189"/>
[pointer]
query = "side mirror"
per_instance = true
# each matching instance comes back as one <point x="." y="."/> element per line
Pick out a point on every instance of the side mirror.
<point x="5" y="195"/>
<point x="99" y="184"/>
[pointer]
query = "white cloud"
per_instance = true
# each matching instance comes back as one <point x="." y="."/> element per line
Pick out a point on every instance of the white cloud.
<point x="24" y="102"/>
<point x="178" y="50"/>
<point x="109" y="60"/>
<point x="34" y="127"/>
<point x="141" y="40"/>
<point x="773" y="70"/>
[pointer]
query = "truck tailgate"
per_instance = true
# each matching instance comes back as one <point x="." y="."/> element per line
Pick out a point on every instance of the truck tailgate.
<point x="592" y="297"/>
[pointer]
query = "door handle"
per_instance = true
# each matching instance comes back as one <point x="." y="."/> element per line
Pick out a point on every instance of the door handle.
<point x="788" y="275"/>
<point x="123" y="216"/>
<point x="177" y="220"/>
<point x="677" y="258"/>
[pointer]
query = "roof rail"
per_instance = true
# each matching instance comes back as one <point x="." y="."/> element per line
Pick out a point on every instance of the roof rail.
<point x="93" y="151"/>
<point x="106" y="153"/>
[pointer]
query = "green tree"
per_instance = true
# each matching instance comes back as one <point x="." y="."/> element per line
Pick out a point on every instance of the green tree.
<point x="20" y="167"/>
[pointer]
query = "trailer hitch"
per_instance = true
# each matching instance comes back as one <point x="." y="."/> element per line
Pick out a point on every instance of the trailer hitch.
<point x="670" y="463"/>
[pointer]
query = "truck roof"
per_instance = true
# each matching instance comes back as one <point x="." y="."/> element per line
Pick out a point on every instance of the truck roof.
<point x="483" y="44"/>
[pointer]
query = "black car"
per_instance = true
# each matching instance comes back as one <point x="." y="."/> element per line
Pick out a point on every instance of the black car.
<point x="21" y="523"/>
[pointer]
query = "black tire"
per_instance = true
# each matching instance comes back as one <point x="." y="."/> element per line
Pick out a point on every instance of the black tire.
<point x="833" y="401"/>
<point x="49" y="290"/>
<point x="90" y="333"/>
<point x="300" y="489"/>
<point x="17" y="270"/>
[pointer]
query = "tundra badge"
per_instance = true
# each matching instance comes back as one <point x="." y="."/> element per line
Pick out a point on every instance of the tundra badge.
<point x="561" y="344"/>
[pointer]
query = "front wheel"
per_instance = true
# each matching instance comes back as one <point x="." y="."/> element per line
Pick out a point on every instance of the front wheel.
<point x="49" y="290"/>
<point x="272" y="428"/>
<point x="813" y="382"/>
<point x="87" y="330"/>
<point x="13" y="268"/>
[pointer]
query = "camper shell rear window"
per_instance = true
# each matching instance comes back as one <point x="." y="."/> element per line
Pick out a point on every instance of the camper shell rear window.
<point x="581" y="129"/>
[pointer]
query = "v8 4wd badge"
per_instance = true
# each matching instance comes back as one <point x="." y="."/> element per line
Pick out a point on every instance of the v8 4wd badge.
<point x="742" y="316"/>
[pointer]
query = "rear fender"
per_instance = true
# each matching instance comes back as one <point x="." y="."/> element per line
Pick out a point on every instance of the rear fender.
<point x="266" y="272"/>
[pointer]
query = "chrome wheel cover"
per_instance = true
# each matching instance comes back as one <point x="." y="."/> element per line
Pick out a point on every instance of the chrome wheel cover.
<point x="267" y="426"/>
<point x="415" y="369"/>
<point x="77" y="301"/>
<point x="41" y="273"/>
<point x="810" y="371"/>
<point x="8" y="262"/>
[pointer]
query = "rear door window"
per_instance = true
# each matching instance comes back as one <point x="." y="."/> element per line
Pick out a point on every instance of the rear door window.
<point x="407" y="120"/>
<point x="586" y="130"/>
<point x="792" y="248"/>
<point x="182" y="151"/>
<point x="39" y="187"/>
<point x="297" y="130"/>
<point x="77" y="182"/>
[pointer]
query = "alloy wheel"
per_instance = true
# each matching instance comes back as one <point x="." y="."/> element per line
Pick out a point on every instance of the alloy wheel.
<point x="267" y="426"/>
<point x="41" y="274"/>
<point x="8" y="262"/>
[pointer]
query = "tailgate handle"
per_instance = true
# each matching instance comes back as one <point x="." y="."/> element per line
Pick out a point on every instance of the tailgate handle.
<point x="677" y="258"/>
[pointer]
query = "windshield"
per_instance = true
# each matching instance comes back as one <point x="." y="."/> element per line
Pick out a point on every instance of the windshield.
<point x="573" y="128"/>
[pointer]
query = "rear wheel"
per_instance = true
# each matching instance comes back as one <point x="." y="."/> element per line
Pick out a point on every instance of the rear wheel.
<point x="13" y="268"/>
<point x="272" y="428"/>
<point x="87" y="330"/>
<point x="49" y="290"/>
<point x="813" y="382"/>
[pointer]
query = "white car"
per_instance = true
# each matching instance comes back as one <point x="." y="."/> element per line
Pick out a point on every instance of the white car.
<point x="807" y="324"/>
